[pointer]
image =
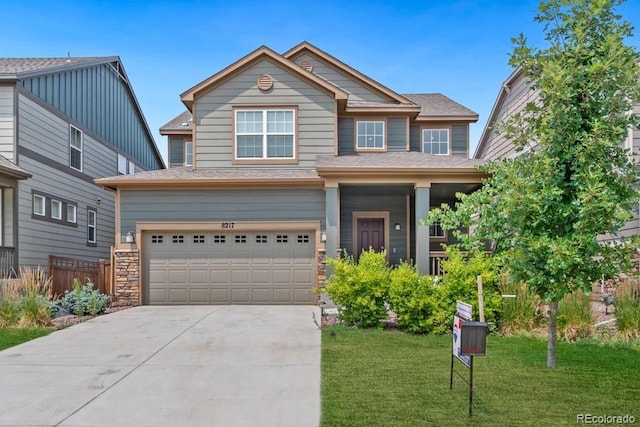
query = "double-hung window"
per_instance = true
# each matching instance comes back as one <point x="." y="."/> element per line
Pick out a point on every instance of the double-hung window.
<point x="265" y="134"/>
<point x="92" y="226"/>
<point x="75" y="148"/>
<point x="370" y="135"/>
<point x="435" y="141"/>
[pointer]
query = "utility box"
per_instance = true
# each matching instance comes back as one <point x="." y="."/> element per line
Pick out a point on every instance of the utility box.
<point x="473" y="338"/>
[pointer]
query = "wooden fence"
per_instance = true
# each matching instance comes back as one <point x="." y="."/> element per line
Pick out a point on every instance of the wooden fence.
<point x="63" y="270"/>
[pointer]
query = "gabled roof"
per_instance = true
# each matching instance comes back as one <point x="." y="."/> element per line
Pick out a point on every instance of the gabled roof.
<point x="261" y="53"/>
<point x="7" y="167"/>
<point x="436" y="106"/>
<point x="505" y="89"/>
<point x="367" y="81"/>
<point x="181" y="124"/>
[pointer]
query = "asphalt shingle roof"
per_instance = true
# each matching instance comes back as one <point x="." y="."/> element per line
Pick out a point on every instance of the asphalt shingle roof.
<point x="396" y="160"/>
<point x="7" y="166"/>
<point x="182" y="122"/>
<point x="23" y="65"/>
<point x="436" y="104"/>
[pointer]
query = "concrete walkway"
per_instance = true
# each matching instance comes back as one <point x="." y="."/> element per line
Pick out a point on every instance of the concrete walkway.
<point x="169" y="366"/>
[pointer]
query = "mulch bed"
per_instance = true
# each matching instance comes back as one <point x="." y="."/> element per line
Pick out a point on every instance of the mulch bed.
<point x="71" y="319"/>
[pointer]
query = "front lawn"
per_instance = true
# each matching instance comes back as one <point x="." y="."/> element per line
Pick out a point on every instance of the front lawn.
<point x="383" y="378"/>
<point x="14" y="336"/>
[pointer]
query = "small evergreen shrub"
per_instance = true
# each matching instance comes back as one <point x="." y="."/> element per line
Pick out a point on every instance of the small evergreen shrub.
<point x="575" y="319"/>
<point x="413" y="298"/>
<point x="360" y="289"/>
<point x="627" y="303"/>
<point x="84" y="300"/>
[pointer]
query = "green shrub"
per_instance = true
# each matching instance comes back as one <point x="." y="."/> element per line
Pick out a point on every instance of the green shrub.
<point x="84" y="300"/>
<point x="8" y="312"/>
<point x="35" y="310"/>
<point x="575" y="319"/>
<point x="413" y="298"/>
<point x="25" y="301"/>
<point x="360" y="289"/>
<point x="627" y="303"/>
<point x="460" y="283"/>
<point x="519" y="313"/>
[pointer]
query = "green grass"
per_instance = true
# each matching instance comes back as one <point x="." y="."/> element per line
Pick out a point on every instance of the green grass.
<point x="14" y="336"/>
<point x="382" y="378"/>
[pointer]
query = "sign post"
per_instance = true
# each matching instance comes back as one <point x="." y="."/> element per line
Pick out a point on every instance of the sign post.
<point x="469" y="339"/>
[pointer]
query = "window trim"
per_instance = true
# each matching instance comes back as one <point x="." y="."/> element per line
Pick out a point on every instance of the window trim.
<point x="75" y="213"/>
<point x="264" y="160"/>
<point x="370" y="120"/>
<point x="447" y="129"/>
<point x="72" y="147"/>
<point x="188" y="153"/>
<point x="44" y="205"/>
<point x="90" y="226"/>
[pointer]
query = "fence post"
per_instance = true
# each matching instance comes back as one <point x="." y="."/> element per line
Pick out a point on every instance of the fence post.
<point x="101" y="284"/>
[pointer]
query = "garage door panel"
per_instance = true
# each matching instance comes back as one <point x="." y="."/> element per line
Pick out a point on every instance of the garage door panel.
<point x="223" y="268"/>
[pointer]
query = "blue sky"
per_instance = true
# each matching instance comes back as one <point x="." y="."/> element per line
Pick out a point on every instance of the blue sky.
<point x="458" y="47"/>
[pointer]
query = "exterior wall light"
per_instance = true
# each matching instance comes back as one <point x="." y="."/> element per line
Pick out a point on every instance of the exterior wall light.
<point x="129" y="237"/>
<point x="323" y="236"/>
<point x="397" y="226"/>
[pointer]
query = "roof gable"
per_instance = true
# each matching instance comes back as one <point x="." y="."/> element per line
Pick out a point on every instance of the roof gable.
<point x="242" y="64"/>
<point x="306" y="47"/>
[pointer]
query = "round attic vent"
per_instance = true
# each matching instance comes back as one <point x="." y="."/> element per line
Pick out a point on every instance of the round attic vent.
<point x="306" y="65"/>
<point x="265" y="82"/>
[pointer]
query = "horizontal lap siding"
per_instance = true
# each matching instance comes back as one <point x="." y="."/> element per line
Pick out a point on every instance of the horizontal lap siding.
<point x="7" y="128"/>
<point x="221" y="205"/>
<point x="415" y="141"/>
<point x="459" y="143"/>
<point x="214" y="121"/>
<point x="345" y="136"/>
<point x="357" y="91"/>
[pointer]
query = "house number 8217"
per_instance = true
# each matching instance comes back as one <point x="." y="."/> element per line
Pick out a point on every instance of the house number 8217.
<point x="227" y="225"/>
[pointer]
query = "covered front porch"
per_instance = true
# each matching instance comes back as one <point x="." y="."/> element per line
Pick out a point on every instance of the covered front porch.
<point x="379" y="200"/>
<point x="10" y="174"/>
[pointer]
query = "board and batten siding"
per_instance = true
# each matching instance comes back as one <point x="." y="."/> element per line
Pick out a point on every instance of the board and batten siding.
<point x="7" y="122"/>
<point x="357" y="91"/>
<point x="220" y="205"/>
<point x="40" y="238"/>
<point x="213" y="115"/>
<point x="100" y="100"/>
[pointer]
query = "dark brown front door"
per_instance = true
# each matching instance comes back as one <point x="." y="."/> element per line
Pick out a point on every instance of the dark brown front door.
<point x="370" y="234"/>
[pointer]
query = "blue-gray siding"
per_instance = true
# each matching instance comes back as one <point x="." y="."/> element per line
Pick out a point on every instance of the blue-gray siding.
<point x="345" y="136"/>
<point x="214" y="116"/>
<point x="99" y="99"/>
<point x="176" y="151"/>
<point x="221" y="205"/>
<point x="392" y="199"/>
<point x="7" y="128"/>
<point x="397" y="134"/>
<point x="459" y="143"/>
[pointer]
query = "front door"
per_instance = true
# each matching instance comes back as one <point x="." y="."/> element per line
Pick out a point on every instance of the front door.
<point x="370" y="234"/>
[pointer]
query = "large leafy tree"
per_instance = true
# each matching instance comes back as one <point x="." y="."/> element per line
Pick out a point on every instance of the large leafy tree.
<point x="573" y="180"/>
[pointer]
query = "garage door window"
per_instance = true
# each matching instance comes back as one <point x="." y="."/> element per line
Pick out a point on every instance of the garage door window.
<point x="156" y="239"/>
<point x="282" y="238"/>
<point x="198" y="239"/>
<point x="219" y="238"/>
<point x="303" y="238"/>
<point x="178" y="238"/>
<point x="261" y="238"/>
<point x="241" y="238"/>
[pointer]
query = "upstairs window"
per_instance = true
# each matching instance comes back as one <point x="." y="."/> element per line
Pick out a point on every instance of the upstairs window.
<point x="265" y="134"/>
<point x="75" y="148"/>
<point x="370" y="135"/>
<point x="435" y="141"/>
<point x="38" y="205"/>
<point x="92" y="227"/>
<point x="188" y="153"/>
<point x="125" y="166"/>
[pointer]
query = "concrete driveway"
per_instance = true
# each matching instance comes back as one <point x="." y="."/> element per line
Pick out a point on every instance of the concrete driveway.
<point x="169" y="366"/>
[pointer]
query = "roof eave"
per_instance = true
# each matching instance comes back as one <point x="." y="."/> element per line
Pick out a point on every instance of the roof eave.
<point x="469" y="119"/>
<point x="15" y="173"/>
<point x="176" y="131"/>
<point x="200" y="183"/>
<point x="393" y="110"/>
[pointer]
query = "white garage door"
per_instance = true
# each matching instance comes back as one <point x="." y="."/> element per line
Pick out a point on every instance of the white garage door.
<point x="229" y="267"/>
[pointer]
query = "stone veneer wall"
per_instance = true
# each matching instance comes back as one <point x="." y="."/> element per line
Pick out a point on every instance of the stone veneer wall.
<point x="322" y="269"/>
<point x="127" y="277"/>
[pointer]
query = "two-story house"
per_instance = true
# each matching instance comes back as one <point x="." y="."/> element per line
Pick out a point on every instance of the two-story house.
<point x="281" y="160"/>
<point x="63" y="123"/>
<point x="514" y="94"/>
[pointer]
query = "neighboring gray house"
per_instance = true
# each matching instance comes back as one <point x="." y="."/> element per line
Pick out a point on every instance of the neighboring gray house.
<point x="515" y="93"/>
<point x="281" y="160"/>
<point x="63" y="123"/>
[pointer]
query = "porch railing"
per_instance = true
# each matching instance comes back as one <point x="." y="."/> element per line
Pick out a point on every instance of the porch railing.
<point x="7" y="261"/>
<point x="435" y="262"/>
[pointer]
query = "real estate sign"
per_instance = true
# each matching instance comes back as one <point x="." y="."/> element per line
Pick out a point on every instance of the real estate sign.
<point x="463" y="312"/>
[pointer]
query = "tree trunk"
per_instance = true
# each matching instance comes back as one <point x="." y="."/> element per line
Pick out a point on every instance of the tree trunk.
<point x="551" y="334"/>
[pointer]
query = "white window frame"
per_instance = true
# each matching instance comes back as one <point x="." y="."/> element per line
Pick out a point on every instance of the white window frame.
<point x="73" y="131"/>
<point x="122" y="164"/>
<point x="383" y="135"/>
<point x="424" y="131"/>
<point x="92" y="224"/>
<point x="188" y="153"/>
<point x="264" y="133"/>
<point x="132" y="167"/>
<point x="43" y="202"/>
<point x="72" y="213"/>
<point x="58" y="205"/>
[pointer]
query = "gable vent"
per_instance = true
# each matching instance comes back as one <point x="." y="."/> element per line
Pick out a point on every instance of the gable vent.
<point x="265" y="82"/>
<point x="307" y="65"/>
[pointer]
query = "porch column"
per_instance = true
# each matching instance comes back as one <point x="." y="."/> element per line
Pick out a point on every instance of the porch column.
<point x="331" y="222"/>
<point x="422" y="231"/>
